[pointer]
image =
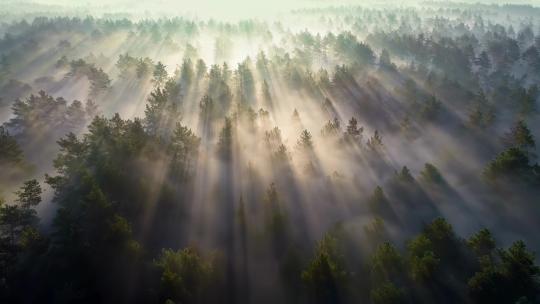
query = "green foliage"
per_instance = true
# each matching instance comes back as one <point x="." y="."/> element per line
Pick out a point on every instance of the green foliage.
<point x="353" y="134"/>
<point x="279" y="152"/>
<point x="124" y="189"/>
<point x="275" y="218"/>
<point x="273" y="137"/>
<point x="405" y="175"/>
<point x="186" y="73"/>
<point x="200" y="69"/>
<point x="342" y="77"/>
<point x="520" y="137"/>
<point x="161" y="113"/>
<point x="207" y="108"/>
<point x="375" y="142"/>
<point x="18" y="234"/>
<point x="5" y="69"/>
<point x="379" y="204"/>
<point x="15" y="218"/>
<point x="144" y="67"/>
<point x="326" y="276"/>
<point x="184" y="148"/>
<point x="375" y="231"/>
<point x="267" y="96"/>
<point x="482" y="113"/>
<point x="387" y="293"/>
<point x="126" y="64"/>
<point x="30" y="194"/>
<point x="160" y="74"/>
<point x="44" y="115"/>
<point x="431" y="175"/>
<point x="218" y="89"/>
<point x="442" y="236"/>
<point x="281" y="155"/>
<point x="525" y="100"/>
<point x="10" y="152"/>
<point x="422" y="260"/>
<point x="113" y="154"/>
<point x="305" y="143"/>
<point x="99" y="80"/>
<point x="508" y="280"/>
<point x="225" y="143"/>
<point x="512" y="164"/>
<point x="185" y="275"/>
<point x="245" y="83"/>
<point x="386" y="263"/>
<point x="482" y="243"/>
<point x="174" y="91"/>
<point x="98" y="237"/>
<point x="331" y="129"/>
<point x="353" y="51"/>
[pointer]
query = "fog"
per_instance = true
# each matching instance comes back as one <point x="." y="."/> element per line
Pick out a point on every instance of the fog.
<point x="299" y="111"/>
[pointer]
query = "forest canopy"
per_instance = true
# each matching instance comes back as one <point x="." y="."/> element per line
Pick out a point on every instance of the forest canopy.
<point x="276" y="152"/>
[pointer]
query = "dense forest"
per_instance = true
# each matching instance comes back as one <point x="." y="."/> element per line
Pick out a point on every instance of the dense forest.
<point x="328" y="154"/>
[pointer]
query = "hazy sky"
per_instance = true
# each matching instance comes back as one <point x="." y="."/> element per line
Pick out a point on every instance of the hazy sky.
<point x="224" y="10"/>
<point x="202" y="8"/>
<point x="228" y="9"/>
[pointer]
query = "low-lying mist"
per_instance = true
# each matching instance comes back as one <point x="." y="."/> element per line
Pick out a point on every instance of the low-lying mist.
<point x="242" y="147"/>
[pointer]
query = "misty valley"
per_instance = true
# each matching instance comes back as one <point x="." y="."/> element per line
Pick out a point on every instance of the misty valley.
<point x="329" y="153"/>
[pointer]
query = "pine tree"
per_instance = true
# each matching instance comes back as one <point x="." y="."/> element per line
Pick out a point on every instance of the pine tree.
<point x="10" y="152"/>
<point x="431" y="174"/>
<point x="186" y="73"/>
<point x="267" y="96"/>
<point x="375" y="142"/>
<point x="305" y="143"/>
<point x="160" y="74"/>
<point x="520" y="136"/>
<point x="405" y="175"/>
<point x="29" y="195"/>
<point x="225" y="144"/>
<point x="331" y="128"/>
<point x="378" y="202"/>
